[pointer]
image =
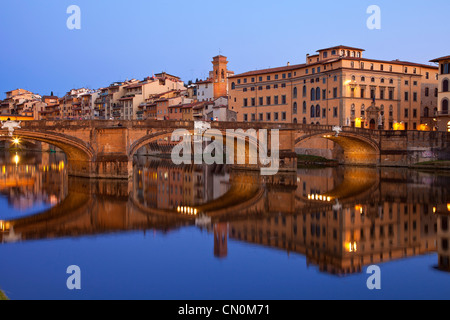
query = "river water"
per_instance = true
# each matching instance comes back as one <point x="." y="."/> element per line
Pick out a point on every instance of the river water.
<point x="211" y="232"/>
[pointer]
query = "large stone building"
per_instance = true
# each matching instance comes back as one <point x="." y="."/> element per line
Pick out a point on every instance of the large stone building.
<point x="443" y="117"/>
<point x="338" y="86"/>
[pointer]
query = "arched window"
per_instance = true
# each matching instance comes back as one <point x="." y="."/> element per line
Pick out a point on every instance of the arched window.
<point x="313" y="94"/>
<point x="352" y="110"/>
<point x="363" y="110"/>
<point x="304" y="107"/>
<point x="426" y="112"/>
<point x="304" y="120"/>
<point x="317" y="111"/>
<point x="435" y="112"/>
<point x="223" y="74"/>
<point x="294" y="109"/>
<point x="295" y="120"/>
<point x="233" y="86"/>
<point x="317" y="93"/>
<point x="391" y="81"/>
<point x="382" y="80"/>
<point x="363" y="79"/>
<point x="304" y="91"/>
<point x="353" y="78"/>
<point x="295" y="93"/>
<point x="313" y="112"/>
<point x="372" y="80"/>
<point x="445" y="106"/>
<point x="445" y="85"/>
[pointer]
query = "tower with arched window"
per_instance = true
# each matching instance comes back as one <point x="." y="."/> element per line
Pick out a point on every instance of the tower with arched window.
<point x="443" y="94"/>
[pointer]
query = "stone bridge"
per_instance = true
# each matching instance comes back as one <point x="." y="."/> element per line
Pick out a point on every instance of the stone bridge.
<point x="105" y="149"/>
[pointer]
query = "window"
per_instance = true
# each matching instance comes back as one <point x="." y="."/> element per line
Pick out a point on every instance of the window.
<point x="406" y="113"/>
<point x="268" y="114"/>
<point x="245" y="80"/>
<point x="335" y="93"/>
<point x="253" y="102"/>
<point x="324" y="113"/>
<point x="275" y="100"/>
<point x="245" y="102"/>
<point x="325" y="54"/>
<point x="372" y="93"/>
<point x="445" y="106"/>
<point x="283" y="116"/>
<point x="381" y="94"/>
<point x="304" y="91"/>
<point x="275" y="86"/>
<point x="276" y="77"/>
<point x="426" y="112"/>
<point x="391" y="81"/>
<point x="294" y="108"/>
<point x="414" y="113"/>
<point x="427" y="75"/>
<point x="304" y="107"/>
<point x="239" y="81"/>
<point x="372" y="80"/>
<point x="352" y="110"/>
<point x="261" y="117"/>
<point x="233" y="86"/>
<point x="363" y="79"/>
<point x="427" y="92"/>
<point x="283" y="85"/>
<point x="253" y="79"/>
<point x="317" y="111"/>
<point x="245" y="117"/>
<point x="268" y="78"/>
<point x="335" y="112"/>
<point x="363" y="93"/>
<point x="283" y="99"/>
<point x="268" y="101"/>
<point x="406" y="82"/>
<point x="406" y="96"/>
<point x="245" y="90"/>
<point x="363" y="110"/>
<point x="268" y="87"/>
<point x="445" y="85"/>
<point x="295" y="93"/>
<point x="275" y="116"/>
<point x="260" y="79"/>
<point x="414" y="83"/>
<point x="317" y="93"/>
<point x="313" y="94"/>
<point x="261" y="101"/>
<point x="391" y="94"/>
<point x="415" y="96"/>
<point x="313" y="112"/>
<point x="324" y="94"/>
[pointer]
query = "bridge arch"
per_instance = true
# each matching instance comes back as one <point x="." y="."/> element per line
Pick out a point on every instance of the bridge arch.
<point x="79" y="153"/>
<point x="251" y="142"/>
<point x="358" y="149"/>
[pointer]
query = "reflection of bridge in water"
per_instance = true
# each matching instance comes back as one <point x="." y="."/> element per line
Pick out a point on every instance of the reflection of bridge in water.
<point x="380" y="215"/>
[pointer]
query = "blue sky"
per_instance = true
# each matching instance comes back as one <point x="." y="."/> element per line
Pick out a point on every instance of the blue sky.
<point x="135" y="38"/>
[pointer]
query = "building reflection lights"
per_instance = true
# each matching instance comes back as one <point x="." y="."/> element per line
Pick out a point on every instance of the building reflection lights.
<point x="4" y="226"/>
<point x="318" y="197"/>
<point x="351" y="247"/>
<point x="187" y="210"/>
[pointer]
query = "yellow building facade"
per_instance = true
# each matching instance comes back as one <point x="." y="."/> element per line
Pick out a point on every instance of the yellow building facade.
<point x="337" y="86"/>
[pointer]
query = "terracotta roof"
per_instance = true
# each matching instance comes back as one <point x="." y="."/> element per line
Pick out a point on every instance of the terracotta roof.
<point x="271" y="70"/>
<point x="341" y="47"/>
<point x="136" y="85"/>
<point x="440" y="59"/>
<point x="204" y="82"/>
<point x="404" y="63"/>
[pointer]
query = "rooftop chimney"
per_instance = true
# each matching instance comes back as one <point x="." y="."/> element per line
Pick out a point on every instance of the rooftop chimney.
<point x="288" y="64"/>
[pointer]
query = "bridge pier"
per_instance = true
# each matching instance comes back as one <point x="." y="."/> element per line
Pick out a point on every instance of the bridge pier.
<point x="109" y="167"/>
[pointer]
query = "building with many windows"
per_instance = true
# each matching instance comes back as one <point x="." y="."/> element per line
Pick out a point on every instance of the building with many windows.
<point x="338" y="86"/>
<point x="443" y="116"/>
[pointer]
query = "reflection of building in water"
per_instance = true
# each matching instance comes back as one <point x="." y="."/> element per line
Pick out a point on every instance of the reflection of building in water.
<point x="163" y="185"/>
<point x="30" y="179"/>
<point x="443" y="237"/>
<point x="221" y="240"/>
<point x="393" y="221"/>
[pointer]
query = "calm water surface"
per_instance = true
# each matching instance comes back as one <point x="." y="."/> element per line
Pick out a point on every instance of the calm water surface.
<point x="199" y="232"/>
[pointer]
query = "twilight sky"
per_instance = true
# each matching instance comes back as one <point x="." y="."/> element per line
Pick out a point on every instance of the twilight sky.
<point x="136" y="38"/>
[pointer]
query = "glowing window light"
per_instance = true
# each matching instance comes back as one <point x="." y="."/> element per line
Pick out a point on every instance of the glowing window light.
<point x="434" y="209"/>
<point x="448" y="206"/>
